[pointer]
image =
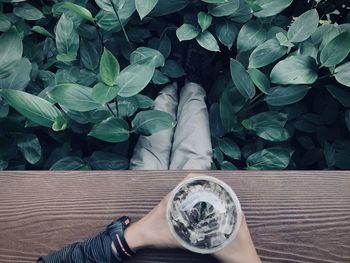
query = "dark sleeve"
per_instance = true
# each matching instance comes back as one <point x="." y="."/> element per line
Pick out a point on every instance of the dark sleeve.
<point x="96" y="249"/>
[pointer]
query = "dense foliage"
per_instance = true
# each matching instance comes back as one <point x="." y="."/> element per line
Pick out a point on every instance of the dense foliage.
<point x="78" y="79"/>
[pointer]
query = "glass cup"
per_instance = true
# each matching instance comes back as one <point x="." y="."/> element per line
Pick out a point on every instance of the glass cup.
<point x="204" y="214"/>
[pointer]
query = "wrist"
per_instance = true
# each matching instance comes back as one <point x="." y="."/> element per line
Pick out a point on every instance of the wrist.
<point x="135" y="236"/>
<point x="127" y="238"/>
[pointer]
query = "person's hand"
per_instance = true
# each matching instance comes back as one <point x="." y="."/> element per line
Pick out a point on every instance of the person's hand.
<point x="241" y="249"/>
<point x="152" y="230"/>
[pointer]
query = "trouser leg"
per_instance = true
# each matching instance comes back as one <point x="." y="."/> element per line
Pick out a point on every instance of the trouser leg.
<point x="153" y="152"/>
<point x="192" y="149"/>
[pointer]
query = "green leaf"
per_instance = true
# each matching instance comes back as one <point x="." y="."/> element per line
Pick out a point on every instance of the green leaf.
<point x="152" y="121"/>
<point x="109" y="68"/>
<point x="304" y="26"/>
<point x="225" y="165"/>
<point x="101" y="160"/>
<point x="229" y="148"/>
<point x="67" y="39"/>
<point x="108" y="20"/>
<point x="144" y="102"/>
<point x="342" y="157"/>
<point x="340" y="94"/>
<point x="32" y="107"/>
<point x="214" y="1"/>
<point x="216" y="126"/>
<point x="30" y="147"/>
<point x="59" y="124"/>
<point x="231" y="102"/>
<point x="286" y="95"/>
<point x="111" y="130"/>
<point x="329" y="154"/>
<point x="322" y="33"/>
<point x="90" y="52"/>
<point x="347" y="119"/>
<point x="28" y="12"/>
<point x="271" y="7"/>
<point x="144" y="7"/>
<point x="4" y="109"/>
<point x="10" y="51"/>
<point x="204" y="20"/>
<point x="336" y="50"/>
<point x="20" y="76"/>
<point x="255" y="7"/>
<point x="268" y="125"/>
<point x="187" y="32"/>
<point x="5" y="25"/>
<point x="242" y="79"/>
<point x="226" y="32"/>
<point x="266" y="53"/>
<point x="173" y="69"/>
<point x="134" y="79"/>
<point x="305" y="125"/>
<point x="127" y="106"/>
<point x="42" y="31"/>
<point x="159" y="78"/>
<point x="283" y="40"/>
<point x="269" y="159"/>
<point x="243" y="14"/>
<point x="342" y="74"/>
<point x="162" y="45"/>
<point x="3" y="165"/>
<point x="107" y="5"/>
<point x="306" y="48"/>
<point x="74" y="97"/>
<point x="103" y="93"/>
<point x="80" y="10"/>
<point x="153" y="56"/>
<point x="69" y="163"/>
<point x="224" y="9"/>
<point x="251" y="35"/>
<point x="165" y="7"/>
<point x="294" y="70"/>
<point x="208" y="41"/>
<point x="260" y="80"/>
<point x="218" y="155"/>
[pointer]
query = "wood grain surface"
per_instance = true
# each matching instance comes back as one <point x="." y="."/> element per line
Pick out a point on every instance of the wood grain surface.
<point x="296" y="217"/>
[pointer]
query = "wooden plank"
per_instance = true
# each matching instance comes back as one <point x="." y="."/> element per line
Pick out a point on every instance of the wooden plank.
<point x="293" y="216"/>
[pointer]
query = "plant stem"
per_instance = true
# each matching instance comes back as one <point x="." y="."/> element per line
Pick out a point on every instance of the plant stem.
<point x="100" y="37"/>
<point x="121" y="24"/>
<point x="326" y="76"/>
<point x="257" y="97"/>
<point x="255" y="101"/>
<point x="116" y="105"/>
<point x="111" y="110"/>
<point x="165" y="30"/>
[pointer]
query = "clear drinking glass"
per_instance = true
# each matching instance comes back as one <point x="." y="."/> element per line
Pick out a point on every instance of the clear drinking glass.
<point x="204" y="214"/>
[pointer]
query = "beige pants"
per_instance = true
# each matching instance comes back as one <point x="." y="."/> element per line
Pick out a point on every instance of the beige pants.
<point x="185" y="147"/>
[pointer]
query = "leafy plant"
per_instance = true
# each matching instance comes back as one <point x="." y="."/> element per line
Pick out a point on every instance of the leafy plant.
<point x="78" y="79"/>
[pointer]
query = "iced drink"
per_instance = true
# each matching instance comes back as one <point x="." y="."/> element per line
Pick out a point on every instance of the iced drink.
<point x="203" y="214"/>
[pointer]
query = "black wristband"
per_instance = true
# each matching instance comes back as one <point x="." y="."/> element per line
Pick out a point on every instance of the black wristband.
<point x="116" y="232"/>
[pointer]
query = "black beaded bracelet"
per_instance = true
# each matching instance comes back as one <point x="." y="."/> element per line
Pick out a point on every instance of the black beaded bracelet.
<point x="116" y="232"/>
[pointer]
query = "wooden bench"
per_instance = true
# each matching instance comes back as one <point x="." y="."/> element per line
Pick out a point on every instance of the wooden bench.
<point x="293" y="216"/>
